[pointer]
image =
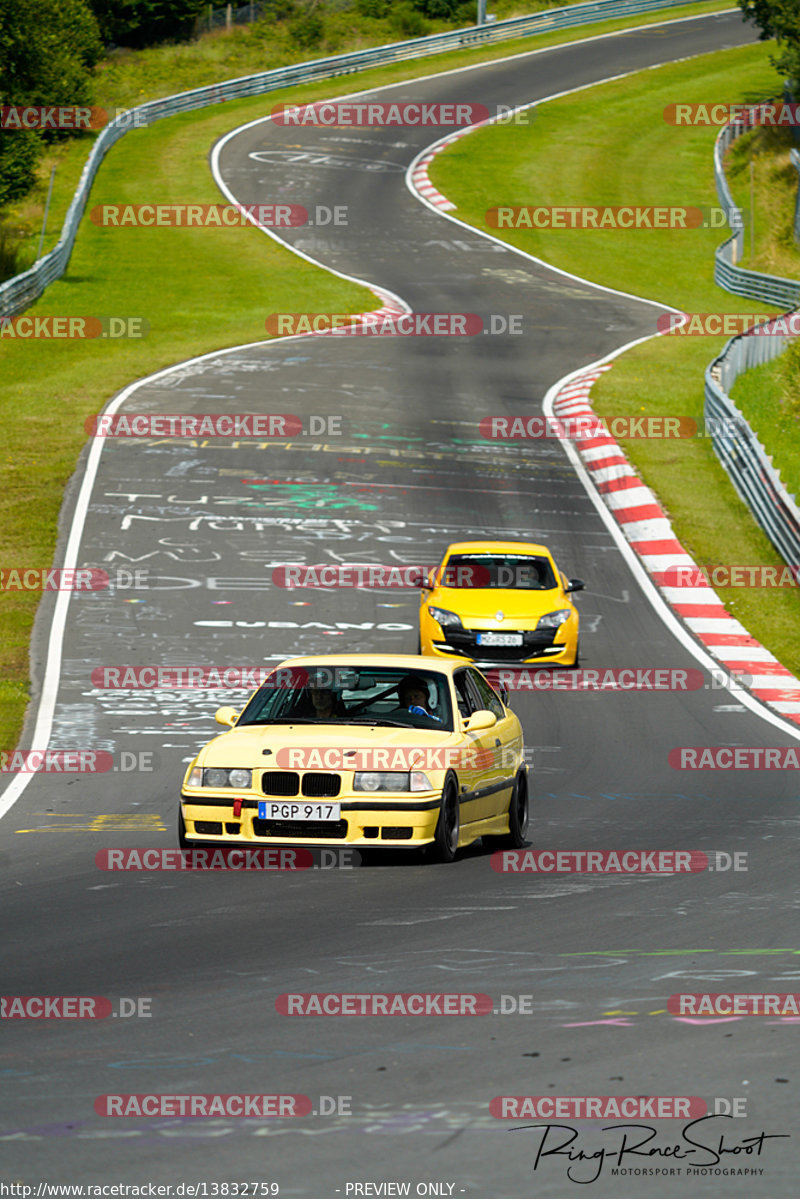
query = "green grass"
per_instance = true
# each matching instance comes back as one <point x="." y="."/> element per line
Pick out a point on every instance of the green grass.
<point x="568" y="156"/>
<point x="769" y="396"/>
<point x="775" y="183"/>
<point x="48" y="389"/>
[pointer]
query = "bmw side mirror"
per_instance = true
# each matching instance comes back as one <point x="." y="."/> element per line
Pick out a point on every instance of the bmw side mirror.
<point x="480" y="720"/>
<point x="226" y="716"/>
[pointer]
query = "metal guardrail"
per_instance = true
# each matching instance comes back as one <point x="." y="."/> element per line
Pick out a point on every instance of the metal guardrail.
<point x="735" y="443"/>
<point x="17" y="293"/>
<point x="770" y="289"/>
<point x="738" y="447"/>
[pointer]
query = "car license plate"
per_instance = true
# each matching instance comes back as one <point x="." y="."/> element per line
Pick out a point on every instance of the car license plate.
<point x="297" y="810"/>
<point x="499" y="638"/>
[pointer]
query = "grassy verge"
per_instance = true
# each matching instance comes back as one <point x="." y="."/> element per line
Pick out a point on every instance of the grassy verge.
<point x="48" y="389"/>
<point x="769" y="396"/>
<point x="566" y="156"/>
<point x="774" y="193"/>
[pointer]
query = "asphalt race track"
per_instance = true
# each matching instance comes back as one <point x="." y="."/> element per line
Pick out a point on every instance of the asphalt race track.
<point x="403" y="473"/>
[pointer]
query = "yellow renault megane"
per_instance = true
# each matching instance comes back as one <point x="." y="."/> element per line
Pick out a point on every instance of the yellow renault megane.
<point x="499" y="601"/>
<point x="364" y="750"/>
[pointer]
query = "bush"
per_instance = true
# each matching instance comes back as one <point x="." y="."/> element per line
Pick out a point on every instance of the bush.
<point x="408" y="21"/>
<point x="139" y="23"/>
<point x="373" y="8"/>
<point x="308" y="29"/>
<point x="10" y="246"/>
<point x="19" y="153"/>
<point x="278" y="10"/>
<point x="438" y="10"/>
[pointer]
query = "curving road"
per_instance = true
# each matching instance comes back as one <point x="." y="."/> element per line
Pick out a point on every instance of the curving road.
<point x="406" y="472"/>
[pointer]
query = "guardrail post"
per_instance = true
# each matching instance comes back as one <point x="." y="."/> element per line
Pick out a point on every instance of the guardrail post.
<point x="228" y="16"/>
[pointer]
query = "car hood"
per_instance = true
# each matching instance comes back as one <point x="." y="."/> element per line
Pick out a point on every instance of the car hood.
<point x="482" y="604"/>
<point x="245" y="746"/>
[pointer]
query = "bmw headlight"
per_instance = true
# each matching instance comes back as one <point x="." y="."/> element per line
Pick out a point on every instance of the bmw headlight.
<point x="380" y="780"/>
<point x="553" y="619"/>
<point x="448" y="620"/>
<point x="221" y="776"/>
<point x="391" y="780"/>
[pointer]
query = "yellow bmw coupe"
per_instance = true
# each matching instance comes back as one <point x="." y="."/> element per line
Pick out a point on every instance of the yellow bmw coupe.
<point x="363" y="750"/>
<point x="499" y="602"/>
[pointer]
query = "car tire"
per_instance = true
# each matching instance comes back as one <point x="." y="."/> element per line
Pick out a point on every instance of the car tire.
<point x="445" y="842"/>
<point x="518" y="813"/>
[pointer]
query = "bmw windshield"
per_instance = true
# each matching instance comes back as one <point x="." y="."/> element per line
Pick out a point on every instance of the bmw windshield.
<point x="353" y="695"/>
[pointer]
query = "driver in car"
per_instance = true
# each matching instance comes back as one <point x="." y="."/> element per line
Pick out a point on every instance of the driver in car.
<point x="320" y="701"/>
<point x="413" y="692"/>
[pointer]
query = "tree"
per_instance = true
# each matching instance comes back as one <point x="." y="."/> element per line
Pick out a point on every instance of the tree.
<point x="47" y="51"/>
<point x="140" y="23"/>
<point x="779" y="19"/>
